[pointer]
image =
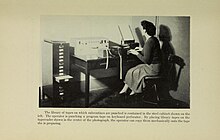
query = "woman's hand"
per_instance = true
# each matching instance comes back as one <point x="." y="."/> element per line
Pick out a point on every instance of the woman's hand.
<point x="139" y="49"/>
<point x="133" y="51"/>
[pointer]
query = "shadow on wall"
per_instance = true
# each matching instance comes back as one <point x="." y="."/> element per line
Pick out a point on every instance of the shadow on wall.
<point x="165" y="36"/>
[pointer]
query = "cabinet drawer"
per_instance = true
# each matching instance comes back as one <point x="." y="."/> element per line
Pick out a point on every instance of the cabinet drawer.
<point x="101" y="63"/>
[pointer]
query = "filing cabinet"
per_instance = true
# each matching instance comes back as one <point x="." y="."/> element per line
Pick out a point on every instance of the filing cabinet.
<point x="60" y="70"/>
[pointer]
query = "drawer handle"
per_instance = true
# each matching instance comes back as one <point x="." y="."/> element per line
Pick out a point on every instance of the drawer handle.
<point x="101" y="64"/>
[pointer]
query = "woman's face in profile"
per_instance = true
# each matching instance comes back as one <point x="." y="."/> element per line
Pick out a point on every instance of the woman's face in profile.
<point x="145" y="33"/>
<point x="145" y="30"/>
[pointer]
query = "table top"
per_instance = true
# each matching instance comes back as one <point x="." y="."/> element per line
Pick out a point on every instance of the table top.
<point x="91" y="57"/>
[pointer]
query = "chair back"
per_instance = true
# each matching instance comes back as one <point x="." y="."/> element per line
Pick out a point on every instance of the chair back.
<point x="174" y="60"/>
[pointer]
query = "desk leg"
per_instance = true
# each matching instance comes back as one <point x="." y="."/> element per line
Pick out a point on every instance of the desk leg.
<point x="87" y="89"/>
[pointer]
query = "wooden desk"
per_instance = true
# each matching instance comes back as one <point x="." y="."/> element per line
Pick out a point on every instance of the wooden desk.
<point x="85" y="65"/>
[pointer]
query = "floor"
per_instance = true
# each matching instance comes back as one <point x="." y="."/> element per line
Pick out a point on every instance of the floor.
<point x="109" y="98"/>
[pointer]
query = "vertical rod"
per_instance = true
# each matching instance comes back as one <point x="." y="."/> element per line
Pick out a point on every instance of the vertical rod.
<point x="156" y="24"/>
<point x="120" y="33"/>
<point x="131" y="32"/>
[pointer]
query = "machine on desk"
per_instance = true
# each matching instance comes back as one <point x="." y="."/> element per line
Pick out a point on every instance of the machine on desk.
<point x="91" y="47"/>
<point x="126" y="60"/>
<point x="98" y="47"/>
<point x="128" y="44"/>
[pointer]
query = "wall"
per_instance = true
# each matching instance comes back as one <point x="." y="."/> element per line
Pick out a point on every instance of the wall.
<point x="67" y="27"/>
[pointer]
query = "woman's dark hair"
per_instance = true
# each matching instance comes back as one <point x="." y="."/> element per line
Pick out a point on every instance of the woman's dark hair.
<point x="150" y="28"/>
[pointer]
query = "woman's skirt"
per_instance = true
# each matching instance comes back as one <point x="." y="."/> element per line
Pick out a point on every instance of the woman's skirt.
<point x="135" y="76"/>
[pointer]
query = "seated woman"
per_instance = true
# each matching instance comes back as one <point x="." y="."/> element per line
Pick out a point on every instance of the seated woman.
<point x="150" y="55"/>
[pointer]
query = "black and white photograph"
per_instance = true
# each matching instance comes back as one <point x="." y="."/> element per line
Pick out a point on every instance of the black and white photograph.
<point x="115" y="61"/>
<point x="109" y="69"/>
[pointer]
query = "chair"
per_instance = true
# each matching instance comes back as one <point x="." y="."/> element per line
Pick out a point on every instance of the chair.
<point x="157" y="85"/>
